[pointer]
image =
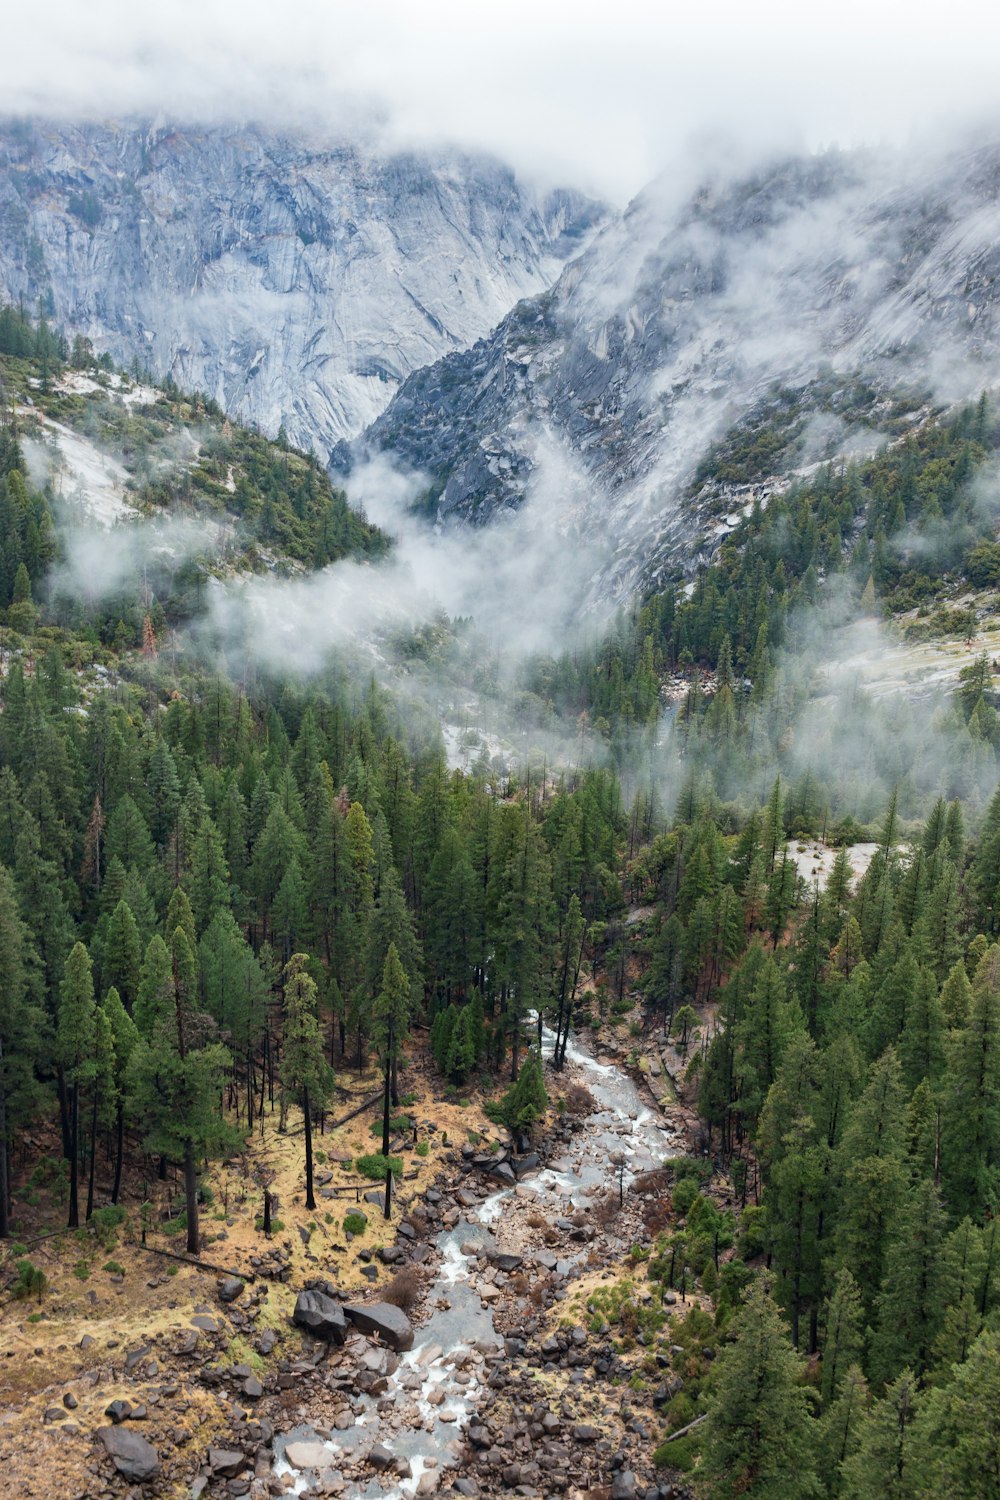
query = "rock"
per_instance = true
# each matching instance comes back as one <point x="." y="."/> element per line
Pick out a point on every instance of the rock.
<point x="383" y="1320"/>
<point x="522" y="1165"/>
<point x="230" y="1287"/>
<point x="307" y="1454"/>
<point x="70" y="1402"/>
<point x="623" y="1485"/>
<point x="380" y="1457"/>
<point x="391" y="1255"/>
<point x="118" y="1411"/>
<point x="429" y="1483"/>
<point x="205" y="1323"/>
<point x="136" y="1460"/>
<point x="320" y="1316"/>
<point x="506" y="1262"/>
<point x="467" y="1487"/>
<point x="252" y="1388"/>
<point x="503" y="1172"/>
<point x="226" y="1461"/>
<point x="583" y="1432"/>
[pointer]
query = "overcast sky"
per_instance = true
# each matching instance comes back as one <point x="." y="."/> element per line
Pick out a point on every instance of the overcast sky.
<point x="602" y="96"/>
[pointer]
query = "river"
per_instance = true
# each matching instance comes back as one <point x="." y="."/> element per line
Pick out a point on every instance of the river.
<point x="440" y="1382"/>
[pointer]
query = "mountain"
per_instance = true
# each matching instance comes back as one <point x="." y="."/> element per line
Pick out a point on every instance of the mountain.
<point x="294" y="280"/>
<point x="700" y="352"/>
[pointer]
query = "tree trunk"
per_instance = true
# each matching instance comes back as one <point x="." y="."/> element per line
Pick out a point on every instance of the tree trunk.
<point x="74" y="1112"/>
<point x="119" y="1152"/>
<point x="310" y="1199"/>
<point x="191" y="1199"/>
<point x="394" y="1083"/>
<point x="93" y="1157"/>
<point x="388" y="1192"/>
<point x="385" y="1107"/>
<point x="4" y="1171"/>
<point x="64" y="1125"/>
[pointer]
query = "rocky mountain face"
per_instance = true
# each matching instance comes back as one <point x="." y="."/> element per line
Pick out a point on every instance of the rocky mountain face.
<point x="743" y="334"/>
<point x="296" y="281"/>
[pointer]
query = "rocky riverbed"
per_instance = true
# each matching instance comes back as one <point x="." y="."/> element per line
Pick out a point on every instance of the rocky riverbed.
<point x="498" y="1379"/>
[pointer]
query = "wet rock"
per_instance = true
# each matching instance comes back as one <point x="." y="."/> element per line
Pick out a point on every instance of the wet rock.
<point x="230" y="1287"/>
<point x="382" y="1320"/>
<point x="136" y="1460"/>
<point x="307" y="1454"/>
<point x="380" y="1456"/>
<point x="320" y="1316"/>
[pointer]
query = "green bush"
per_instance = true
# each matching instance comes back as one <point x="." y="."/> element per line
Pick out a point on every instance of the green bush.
<point x="680" y="1454"/>
<point x="31" y="1281"/>
<point x="397" y="1122"/>
<point x="355" y="1223"/>
<point x="375" y="1166"/>
<point x="114" y="1268"/>
<point x="423" y="1148"/>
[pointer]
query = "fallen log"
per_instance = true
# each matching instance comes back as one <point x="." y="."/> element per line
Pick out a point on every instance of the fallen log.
<point x="201" y="1265"/>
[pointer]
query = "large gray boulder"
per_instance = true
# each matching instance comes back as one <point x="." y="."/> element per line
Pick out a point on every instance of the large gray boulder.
<point x="136" y="1460"/>
<point x="383" y="1320"/>
<point x="320" y="1316"/>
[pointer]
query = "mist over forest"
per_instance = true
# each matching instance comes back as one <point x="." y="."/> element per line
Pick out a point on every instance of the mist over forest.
<point x="499" y="753"/>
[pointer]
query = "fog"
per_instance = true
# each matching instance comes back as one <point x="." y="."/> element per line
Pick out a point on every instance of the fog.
<point x="598" y="96"/>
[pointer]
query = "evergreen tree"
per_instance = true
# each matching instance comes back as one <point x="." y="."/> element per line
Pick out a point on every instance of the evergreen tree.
<point x="75" y="1045"/>
<point x="759" y="1438"/>
<point x="306" y="1076"/>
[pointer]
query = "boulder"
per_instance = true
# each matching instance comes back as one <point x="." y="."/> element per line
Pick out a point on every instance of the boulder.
<point x="623" y="1485"/>
<point x="382" y="1320"/>
<point x="308" y="1454"/>
<point x="503" y="1172"/>
<point x="136" y="1460"/>
<point x="226" y="1461"/>
<point x="230" y="1287"/>
<point x="118" y="1410"/>
<point x="320" y="1316"/>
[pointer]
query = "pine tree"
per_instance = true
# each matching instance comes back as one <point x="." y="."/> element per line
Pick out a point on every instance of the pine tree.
<point x="390" y="1028"/>
<point x="75" y="1045"/>
<point x="841" y="1428"/>
<point x="955" y="1438"/>
<point x="881" y="1465"/>
<point x="759" y="1440"/>
<point x="915" y="1289"/>
<point x="124" y="1038"/>
<point x="844" y="1341"/>
<point x="306" y="1076"/>
<point x="22" y="1036"/>
<point x="122" y="959"/>
<point x="971" y="1117"/>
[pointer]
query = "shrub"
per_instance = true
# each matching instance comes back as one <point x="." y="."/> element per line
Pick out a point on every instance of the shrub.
<point x="355" y="1223"/>
<point x="114" y="1268"/>
<point x="397" y="1122"/>
<point x="423" y="1148"/>
<point x="375" y="1166"/>
<point x="680" y="1454"/>
<point x="82" y="1270"/>
<point x="31" y="1281"/>
<point x="404" y="1289"/>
